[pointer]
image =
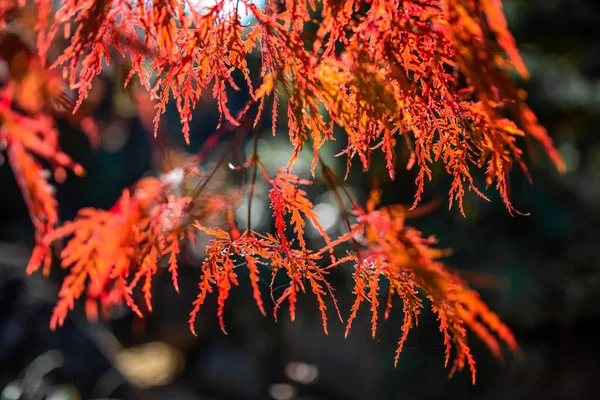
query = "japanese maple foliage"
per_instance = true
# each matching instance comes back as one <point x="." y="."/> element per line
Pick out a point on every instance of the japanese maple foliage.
<point x="431" y="75"/>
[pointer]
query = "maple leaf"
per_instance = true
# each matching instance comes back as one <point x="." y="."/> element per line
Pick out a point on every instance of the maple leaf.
<point x="407" y="260"/>
<point x="28" y="140"/>
<point x="116" y="253"/>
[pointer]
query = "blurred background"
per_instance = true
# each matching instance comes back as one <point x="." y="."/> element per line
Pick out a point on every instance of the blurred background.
<point x="544" y="268"/>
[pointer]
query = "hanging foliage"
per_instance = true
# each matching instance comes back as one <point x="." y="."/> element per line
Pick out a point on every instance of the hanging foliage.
<point x="431" y="75"/>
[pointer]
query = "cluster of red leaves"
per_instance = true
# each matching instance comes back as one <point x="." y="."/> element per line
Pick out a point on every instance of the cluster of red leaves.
<point x="402" y="256"/>
<point x="28" y="103"/>
<point x="111" y="252"/>
<point x="383" y="247"/>
<point x="425" y="70"/>
<point x="274" y="251"/>
<point x="427" y="73"/>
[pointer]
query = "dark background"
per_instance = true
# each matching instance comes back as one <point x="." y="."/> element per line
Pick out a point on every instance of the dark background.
<point x="546" y="267"/>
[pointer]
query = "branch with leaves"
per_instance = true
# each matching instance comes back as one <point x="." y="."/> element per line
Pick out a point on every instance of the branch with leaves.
<point x="430" y="75"/>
